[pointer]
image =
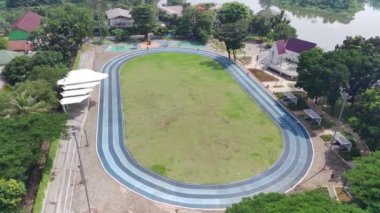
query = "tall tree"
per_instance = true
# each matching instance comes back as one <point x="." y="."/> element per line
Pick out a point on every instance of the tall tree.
<point x="65" y="29"/>
<point x="144" y="18"/>
<point x="367" y="117"/>
<point x="232" y="25"/>
<point x="232" y="12"/>
<point x="365" y="182"/>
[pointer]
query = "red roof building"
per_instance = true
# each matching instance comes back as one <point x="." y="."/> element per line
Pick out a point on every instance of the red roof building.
<point x="24" y="46"/>
<point x="29" y="22"/>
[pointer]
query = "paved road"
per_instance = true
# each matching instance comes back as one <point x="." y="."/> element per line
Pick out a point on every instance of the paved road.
<point x="289" y="170"/>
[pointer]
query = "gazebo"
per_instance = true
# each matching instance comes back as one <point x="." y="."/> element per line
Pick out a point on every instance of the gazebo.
<point x="290" y="96"/>
<point x="342" y="141"/>
<point x="77" y="86"/>
<point x="313" y="115"/>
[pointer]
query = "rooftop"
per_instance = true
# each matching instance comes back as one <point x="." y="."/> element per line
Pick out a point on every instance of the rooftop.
<point x="6" y="56"/>
<point x="298" y="45"/>
<point x="118" y="12"/>
<point x="29" y="22"/>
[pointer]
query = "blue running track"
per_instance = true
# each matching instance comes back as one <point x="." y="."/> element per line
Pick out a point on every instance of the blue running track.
<point x="290" y="169"/>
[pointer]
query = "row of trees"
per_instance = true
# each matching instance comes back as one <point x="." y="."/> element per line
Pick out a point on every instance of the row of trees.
<point x="28" y="3"/>
<point x="29" y="105"/>
<point x="354" y="66"/>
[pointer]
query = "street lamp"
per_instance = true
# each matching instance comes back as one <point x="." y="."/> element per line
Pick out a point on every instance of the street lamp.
<point x="345" y="96"/>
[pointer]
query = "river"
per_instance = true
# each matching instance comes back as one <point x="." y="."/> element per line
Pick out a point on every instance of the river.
<point x="327" y="29"/>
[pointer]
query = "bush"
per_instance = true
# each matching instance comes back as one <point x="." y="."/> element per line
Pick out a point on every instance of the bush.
<point x="326" y="138"/>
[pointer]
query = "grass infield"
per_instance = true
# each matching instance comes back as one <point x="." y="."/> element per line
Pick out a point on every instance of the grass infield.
<point x="187" y="119"/>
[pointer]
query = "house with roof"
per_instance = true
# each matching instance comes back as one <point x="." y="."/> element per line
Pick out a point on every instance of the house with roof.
<point x="282" y="57"/>
<point x="21" y="31"/>
<point x="176" y="10"/>
<point x="119" y="18"/>
<point x="24" y="26"/>
<point x="289" y="49"/>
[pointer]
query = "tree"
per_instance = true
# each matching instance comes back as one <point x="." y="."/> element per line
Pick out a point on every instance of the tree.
<point x="17" y="70"/>
<point x="49" y="58"/>
<point x="48" y="73"/>
<point x="232" y="12"/>
<point x="143" y="17"/>
<point x="362" y="58"/>
<point x="365" y="183"/>
<point x="313" y="201"/>
<point x="119" y="34"/>
<point x="322" y="74"/>
<point x="21" y="138"/>
<point x="367" y="117"/>
<point x="23" y="103"/>
<point x="64" y="30"/>
<point x="232" y="26"/>
<point x="232" y="34"/>
<point x="3" y="44"/>
<point x="282" y="31"/>
<point x="40" y="90"/>
<point x="260" y="26"/>
<point x="11" y="193"/>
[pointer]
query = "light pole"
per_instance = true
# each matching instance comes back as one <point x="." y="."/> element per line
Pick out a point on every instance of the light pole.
<point x="344" y="95"/>
<point x="74" y="133"/>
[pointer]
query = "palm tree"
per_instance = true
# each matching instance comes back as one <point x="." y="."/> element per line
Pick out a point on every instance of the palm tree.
<point x="23" y="103"/>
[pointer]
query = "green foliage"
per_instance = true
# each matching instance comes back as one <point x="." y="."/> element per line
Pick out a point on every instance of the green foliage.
<point x="322" y="74"/>
<point x="50" y="74"/>
<point x="232" y="12"/>
<point x="365" y="182"/>
<point x="49" y="58"/>
<point x="29" y="3"/>
<point x="367" y="117"/>
<point x="197" y="24"/>
<point x="313" y="201"/>
<point x="3" y="44"/>
<point x="301" y="103"/>
<point x="175" y="2"/>
<point x="119" y="34"/>
<point x="143" y="16"/>
<point x="327" y="138"/>
<point x="37" y="207"/>
<point x="282" y="31"/>
<point x="21" y="138"/>
<point x="64" y="30"/>
<point x="40" y="90"/>
<point x="17" y="70"/>
<point x="11" y="192"/>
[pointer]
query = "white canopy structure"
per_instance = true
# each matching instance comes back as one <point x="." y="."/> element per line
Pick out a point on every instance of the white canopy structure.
<point x="81" y="76"/>
<point x="77" y="92"/>
<point x="313" y="115"/>
<point x="73" y="100"/>
<point x="78" y="84"/>
<point x="291" y="97"/>
<point x="343" y="141"/>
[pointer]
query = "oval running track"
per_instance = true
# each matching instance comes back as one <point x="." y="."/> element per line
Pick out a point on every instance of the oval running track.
<point x="286" y="173"/>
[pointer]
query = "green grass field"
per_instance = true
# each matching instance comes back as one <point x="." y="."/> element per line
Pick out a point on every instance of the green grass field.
<point x="187" y="119"/>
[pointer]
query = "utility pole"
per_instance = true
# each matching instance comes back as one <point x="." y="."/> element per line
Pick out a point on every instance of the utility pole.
<point x="345" y="97"/>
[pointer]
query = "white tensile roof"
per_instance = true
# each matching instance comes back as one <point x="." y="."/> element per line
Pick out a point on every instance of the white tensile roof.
<point x="76" y="92"/>
<point x="73" y="100"/>
<point x="81" y="76"/>
<point x="78" y="84"/>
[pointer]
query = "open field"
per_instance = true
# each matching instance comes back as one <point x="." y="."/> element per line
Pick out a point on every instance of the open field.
<point x="187" y="119"/>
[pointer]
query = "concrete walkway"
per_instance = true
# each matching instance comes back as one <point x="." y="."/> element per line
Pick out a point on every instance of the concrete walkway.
<point x="60" y="189"/>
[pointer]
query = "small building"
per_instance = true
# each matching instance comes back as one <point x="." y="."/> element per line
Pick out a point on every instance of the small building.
<point x="283" y="56"/>
<point x="119" y="18"/>
<point x="176" y="10"/>
<point x="25" y="25"/>
<point x="291" y="49"/>
<point x="20" y="46"/>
